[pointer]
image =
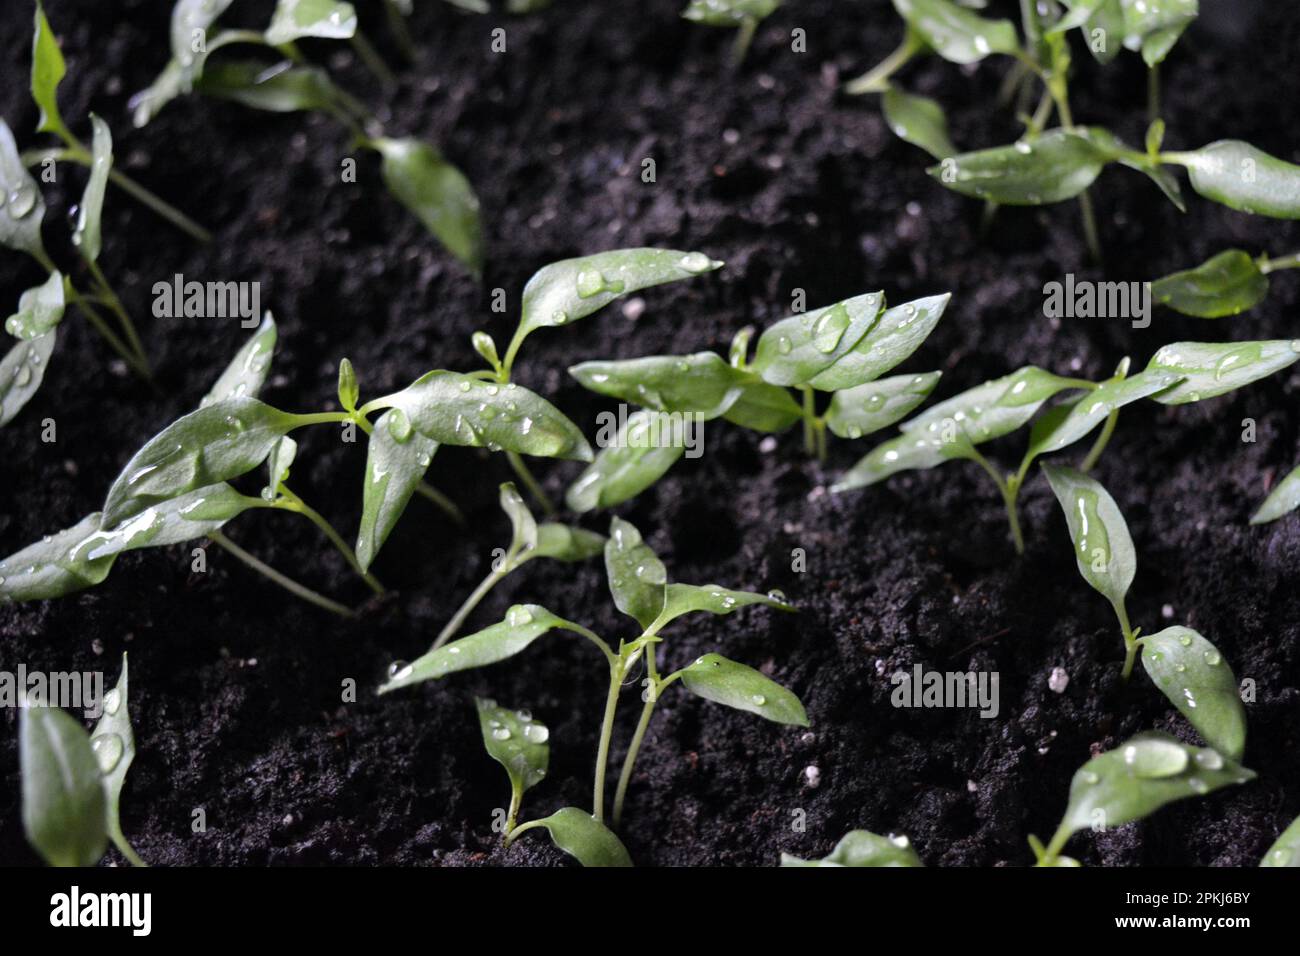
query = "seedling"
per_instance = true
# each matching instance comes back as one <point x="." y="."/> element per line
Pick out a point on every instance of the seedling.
<point x="528" y="540"/>
<point x="1053" y="165"/>
<point x="72" y="781"/>
<point x="864" y="848"/>
<point x="1226" y="284"/>
<point x="1178" y="374"/>
<point x="416" y="174"/>
<point x="1133" y="782"/>
<point x="639" y="585"/>
<point x="743" y="15"/>
<point x="564" y="292"/>
<point x="842" y="349"/>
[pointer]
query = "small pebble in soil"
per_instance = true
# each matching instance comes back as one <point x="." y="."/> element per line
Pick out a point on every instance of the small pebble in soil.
<point x="812" y="776"/>
<point x="97" y="646"/>
<point x="808" y="737"/>
<point x="1058" y="680"/>
<point x="880" y="668"/>
<point x="634" y="308"/>
<point x="288" y="820"/>
<point x="1167" y="612"/>
<point x="731" y="137"/>
<point x="972" y="786"/>
<point x="767" y="445"/>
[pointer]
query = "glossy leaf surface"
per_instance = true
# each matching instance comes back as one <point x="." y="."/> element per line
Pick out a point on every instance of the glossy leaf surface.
<point x="724" y="681"/>
<point x="1191" y="672"/>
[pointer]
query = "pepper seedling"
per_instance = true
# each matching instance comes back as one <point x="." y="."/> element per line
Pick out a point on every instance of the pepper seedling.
<point x="72" y="781"/>
<point x="743" y="15"/>
<point x="1226" y="284"/>
<point x="414" y="172"/>
<point x="639" y="585"/>
<point x="1178" y="374"/>
<point x="1134" y="781"/>
<point x="864" y="848"/>
<point x="841" y="349"/>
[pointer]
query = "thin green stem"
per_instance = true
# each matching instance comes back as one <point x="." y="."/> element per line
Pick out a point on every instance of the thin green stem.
<point x="602" y="751"/>
<point x="289" y="584"/>
<point x="1090" y="234"/>
<point x="647" y="711"/>
<point x="1153" y="92"/>
<point x="809" y="421"/>
<point x="515" y="799"/>
<point x="1130" y="638"/>
<point x="1099" y="445"/>
<point x="373" y="61"/>
<point x="160" y="208"/>
<point x="123" y="845"/>
<point x="511" y="835"/>
<point x="115" y="305"/>
<point x="471" y="602"/>
<point x="101" y="326"/>
<point x="291" y="502"/>
<point x="744" y="37"/>
<point x="1284" y="262"/>
<point x="1054" y="848"/>
<point x="534" y="487"/>
<point x="1009" y="489"/>
<point x="397" y="27"/>
<point x="876" y="80"/>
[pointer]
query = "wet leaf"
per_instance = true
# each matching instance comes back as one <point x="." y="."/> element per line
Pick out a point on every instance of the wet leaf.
<point x="996" y="408"/>
<point x="516" y="741"/>
<point x="326" y="19"/>
<point x="855" y="412"/>
<point x="572" y="289"/>
<point x="189" y="34"/>
<point x="1242" y="177"/>
<point x="702" y="383"/>
<point x="1154" y="26"/>
<point x="1067" y="424"/>
<point x="955" y="33"/>
<point x="523" y="526"/>
<point x="680" y="599"/>
<point x="1210" y="369"/>
<point x="348" y="389"/>
<point x="247" y="371"/>
<point x="1285" y="851"/>
<point x="728" y="13"/>
<point x="910" y="451"/>
<point x="63" y="795"/>
<point x="148" y="103"/>
<point x="863" y="848"/>
<point x="1282" y="500"/>
<point x="48" y="70"/>
<point x="455" y="409"/>
<point x="645" y="447"/>
<point x="585" y="838"/>
<point x="21" y="372"/>
<point x="24" y="206"/>
<point x="918" y="120"/>
<point x="523" y="624"/>
<point x="88" y="237"/>
<point x="282" y="88"/>
<point x="1227" y="284"/>
<point x="1091" y="16"/>
<point x="393" y="470"/>
<point x="278" y="464"/>
<point x="113" y="744"/>
<point x="637" y="578"/>
<point x="211" y="445"/>
<point x="1058" y="165"/>
<point x="896" y="335"/>
<point x="1103" y="548"/>
<point x="563" y="542"/>
<point x="1141" y="776"/>
<point x="438" y="193"/>
<point x="1191" y="672"/>
<point x="796" y="349"/>
<point x="40" y="309"/>
<point x="724" y="681"/>
<point x="764" y="408"/>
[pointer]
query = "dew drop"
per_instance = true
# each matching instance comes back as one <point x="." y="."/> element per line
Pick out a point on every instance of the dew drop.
<point x="1209" y="760"/>
<point x="759" y="699"/>
<point x="112" y="702"/>
<point x="399" y="669"/>
<point x="399" y="426"/>
<point x="536" y="734"/>
<point x="519" y="616"/>
<point x="696" y="262"/>
<point x="108" y="750"/>
<point x="502" y="733"/>
<point x="783" y="345"/>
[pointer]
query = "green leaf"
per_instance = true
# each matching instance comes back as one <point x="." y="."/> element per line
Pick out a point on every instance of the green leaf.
<point x="996" y="408"/>
<point x="680" y="599"/>
<point x="278" y="464"/>
<point x="764" y="408"/>
<point x="585" y="838"/>
<point x="113" y="743"/>
<point x="1067" y="424"/>
<point x="699" y="384"/>
<point x="562" y="542"/>
<point x="87" y="237"/>
<point x="1282" y="500"/>
<point x="394" y="467"/>
<point x="1191" y="672"/>
<point x="1210" y="369"/>
<point x="189" y="34"/>
<point x="1058" y="165"/>
<point x="1154" y="26"/>
<point x="63" y="796"/>
<point x="1226" y="284"/>
<point x="909" y="451"/>
<point x="438" y="193"/>
<point x="348" y="390"/>
<point x="211" y="445"/>
<point x="1091" y="16"/>
<point x="955" y="33"/>
<point x="148" y="103"/>
<point x="645" y="447"/>
<point x="897" y="334"/>
<point x="24" y="206"/>
<point x="859" y="411"/>
<point x="863" y="848"/>
<point x="724" y="681"/>
<point x="1103" y="548"/>
<point x="796" y="349"/>
<point x="515" y="740"/>
<point x="21" y="372"/>
<point x="282" y="88"/>
<point x="455" y="409"/>
<point x="1242" y="177"/>
<point x="48" y="70"/>
<point x="523" y="526"/>
<point x="1285" y="850"/>
<point x="247" y="371"/>
<point x="523" y="624"/>
<point x="326" y="19"/>
<point x="918" y="120"/>
<point x="637" y="578"/>
<point x="572" y="289"/>
<point x="1141" y="776"/>
<point x="40" y="309"/>
<point x="728" y="13"/>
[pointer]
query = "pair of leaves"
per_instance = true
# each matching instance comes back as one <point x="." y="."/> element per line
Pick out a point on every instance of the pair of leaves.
<point x="1226" y="284"/>
<point x="282" y="88"/>
<point x="40" y="309"/>
<point x="24" y="206"/>
<point x="645" y="446"/>
<point x="863" y="848"/>
<point x="72" y="781"/>
<point x="1151" y="26"/>
<point x="956" y="33"/>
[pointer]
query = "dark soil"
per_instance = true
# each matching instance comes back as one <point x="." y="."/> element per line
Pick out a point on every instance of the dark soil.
<point x="236" y="687"/>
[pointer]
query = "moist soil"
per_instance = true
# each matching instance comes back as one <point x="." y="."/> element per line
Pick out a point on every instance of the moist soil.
<point x="236" y="687"/>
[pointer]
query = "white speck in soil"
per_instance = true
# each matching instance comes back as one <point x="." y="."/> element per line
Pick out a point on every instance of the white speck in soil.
<point x="1058" y="680"/>
<point x="812" y="776"/>
<point x="972" y="786"/>
<point x="1167" y="612"/>
<point x="634" y="308"/>
<point x="767" y="445"/>
<point x="97" y="646"/>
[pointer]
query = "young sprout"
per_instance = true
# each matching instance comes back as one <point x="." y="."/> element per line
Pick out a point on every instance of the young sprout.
<point x="639" y="585"/>
<point x="414" y="172"/>
<point x="72" y="781"/>
<point x="1226" y="284"/>
<point x="841" y="349"/>
<point x="863" y="848"/>
<point x="1134" y="781"/>
<point x="745" y="15"/>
